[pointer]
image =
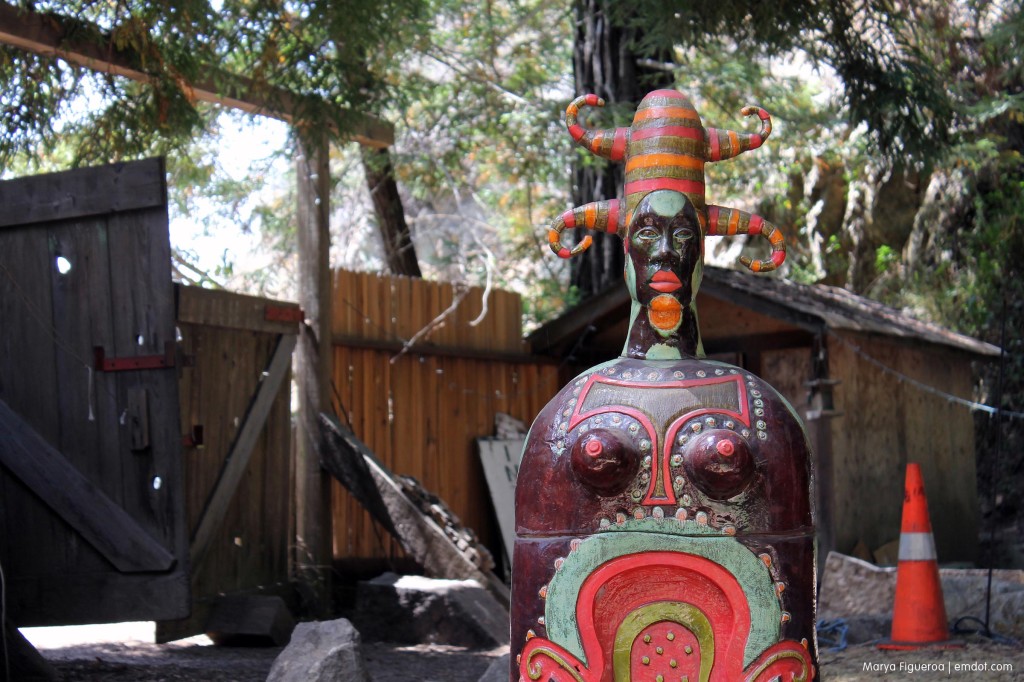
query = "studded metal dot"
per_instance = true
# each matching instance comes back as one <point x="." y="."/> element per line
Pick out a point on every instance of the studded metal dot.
<point x="659" y="650"/>
<point x="688" y="650"/>
<point x="701" y="373"/>
<point x="762" y="435"/>
<point x="759" y="412"/>
<point x="646" y="660"/>
<point x="670" y="636"/>
<point x="616" y="419"/>
<point x="673" y="663"/>
<point x="710" y="421"/>
<point x="679" y="482"/>
<point x="696" y="428"/>
<point x="677" y="460"/>
<point x="645" y="476"/>
<point x="637" y="494"/>
<point x="730" y="424"/>
<point x="745" y="433"/>
<point x="758" y="403"/>
<point x="599" y="420"/>
<point x="658" y="513"/>
<point x="652" y="376"/>
<point x="686" y="500"/>
<point x="633" y="428"/>
<point x="647" y="639"/>
<point x="756" y="394"/>
<point x="719" y="372"/>
<point x="645" y="444"/>
<point x="761" y="425"/>
<point x="682" y="439"/>
<point x="678" y="375"/>
<point x="647" y="462"/>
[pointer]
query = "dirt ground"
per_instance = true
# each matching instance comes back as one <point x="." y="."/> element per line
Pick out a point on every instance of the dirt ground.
<point x="195" y="660"/>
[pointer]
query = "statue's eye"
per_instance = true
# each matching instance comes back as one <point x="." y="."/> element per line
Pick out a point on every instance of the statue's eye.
<point x="647" y="234"/>
<point x="683" y="234"/>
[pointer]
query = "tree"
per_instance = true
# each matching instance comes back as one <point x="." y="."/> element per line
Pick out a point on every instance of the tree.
<point x="606" y="62"/>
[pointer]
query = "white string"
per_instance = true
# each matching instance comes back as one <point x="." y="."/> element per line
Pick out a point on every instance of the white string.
<point x="970" y="404"/>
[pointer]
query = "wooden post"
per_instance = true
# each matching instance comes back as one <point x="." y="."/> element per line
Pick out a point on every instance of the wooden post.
<point x="313" y="553"/>
<point x="819" y="424"/>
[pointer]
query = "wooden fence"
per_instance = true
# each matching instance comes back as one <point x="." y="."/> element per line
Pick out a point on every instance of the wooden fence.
<point x="234" y="392"/>
<point x="420" y="408"/>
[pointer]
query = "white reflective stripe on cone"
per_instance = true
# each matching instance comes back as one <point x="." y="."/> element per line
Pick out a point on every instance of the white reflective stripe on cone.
<point x="917" y="547"/>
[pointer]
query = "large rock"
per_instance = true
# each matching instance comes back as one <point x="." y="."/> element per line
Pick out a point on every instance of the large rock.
<point x="415" y="610"/>
<point x="326" y="651"/>
<point x="864" y="594"/>
<point x="497" y="671"/>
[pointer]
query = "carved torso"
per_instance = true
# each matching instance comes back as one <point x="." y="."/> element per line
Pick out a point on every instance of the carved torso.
<point x="657" y="456"/>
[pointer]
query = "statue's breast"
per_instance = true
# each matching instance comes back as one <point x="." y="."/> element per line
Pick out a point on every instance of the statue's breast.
<point x="691" y="437"/>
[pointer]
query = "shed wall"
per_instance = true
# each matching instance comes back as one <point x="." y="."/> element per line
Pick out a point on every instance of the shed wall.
<point x="886" y="423"/>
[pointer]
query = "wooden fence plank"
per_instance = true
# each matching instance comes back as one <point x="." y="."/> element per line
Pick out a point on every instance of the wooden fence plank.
<point x="241" y="450"/>
<point x="213" y="308"/>
<point x="99" y="520"/>
<point x="83" y="193"/>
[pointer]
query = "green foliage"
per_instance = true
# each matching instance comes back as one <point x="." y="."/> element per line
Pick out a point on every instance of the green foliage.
<point x="889" y="82"/>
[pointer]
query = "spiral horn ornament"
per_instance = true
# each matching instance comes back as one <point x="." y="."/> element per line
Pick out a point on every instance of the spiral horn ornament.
<point x="730" y="221"/>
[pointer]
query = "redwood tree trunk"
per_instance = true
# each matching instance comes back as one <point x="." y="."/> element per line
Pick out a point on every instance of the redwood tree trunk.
<point x="605" y="63"/>
<point x="399" y="252"/>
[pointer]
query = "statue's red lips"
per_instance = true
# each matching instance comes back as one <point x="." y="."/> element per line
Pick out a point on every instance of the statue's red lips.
<point x="665" y="281"/>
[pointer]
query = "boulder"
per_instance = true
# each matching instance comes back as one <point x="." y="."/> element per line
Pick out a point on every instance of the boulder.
<point x="498" y="670"/>
<point x="324" y="651"/>
<point x="416" y="610"/>
<point x="864" y="594"/>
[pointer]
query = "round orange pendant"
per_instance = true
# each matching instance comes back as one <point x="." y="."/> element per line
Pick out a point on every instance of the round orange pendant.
<point x="665" y="312"/>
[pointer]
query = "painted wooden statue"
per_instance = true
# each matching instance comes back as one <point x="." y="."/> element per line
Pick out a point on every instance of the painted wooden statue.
<point x="663" y="517"/>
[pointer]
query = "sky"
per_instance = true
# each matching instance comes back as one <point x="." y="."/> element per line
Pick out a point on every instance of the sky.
<point x="244" y="141"/>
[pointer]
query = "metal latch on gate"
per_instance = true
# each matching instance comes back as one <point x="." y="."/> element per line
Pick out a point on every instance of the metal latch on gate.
<point x="105" y="364"/>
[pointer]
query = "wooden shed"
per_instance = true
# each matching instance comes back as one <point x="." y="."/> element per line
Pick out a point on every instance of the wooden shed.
<point x="872" y="385"/>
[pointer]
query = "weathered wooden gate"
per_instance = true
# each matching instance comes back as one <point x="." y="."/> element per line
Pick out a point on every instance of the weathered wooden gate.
<point x="92" y="522"/>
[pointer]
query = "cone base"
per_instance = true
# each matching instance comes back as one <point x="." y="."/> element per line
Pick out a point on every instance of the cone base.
<point x="910" y="646"/>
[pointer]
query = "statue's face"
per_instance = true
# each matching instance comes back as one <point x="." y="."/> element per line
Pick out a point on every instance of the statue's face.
<point x="663" y="249"/>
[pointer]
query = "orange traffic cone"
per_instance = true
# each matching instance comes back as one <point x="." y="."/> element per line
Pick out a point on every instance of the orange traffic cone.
<point x="919" y="614"/>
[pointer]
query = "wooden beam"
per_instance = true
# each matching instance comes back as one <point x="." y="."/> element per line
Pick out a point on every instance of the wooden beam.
<point x="422" y="538"/>
<point x="86" y="45"/>
<point x="241" y="449"/>
<point x="313" y="368"/>
<point x="86" y="508"/>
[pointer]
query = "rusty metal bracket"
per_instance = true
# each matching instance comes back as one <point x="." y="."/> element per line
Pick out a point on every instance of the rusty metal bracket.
<point x="105" y="364"/>
<point x="281" y="313"/>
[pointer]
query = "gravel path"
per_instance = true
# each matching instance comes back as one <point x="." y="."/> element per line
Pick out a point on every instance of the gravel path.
<point x="194" y="660"/>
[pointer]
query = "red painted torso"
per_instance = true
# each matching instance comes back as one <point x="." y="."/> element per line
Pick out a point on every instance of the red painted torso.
<point x="664" y="477"/>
